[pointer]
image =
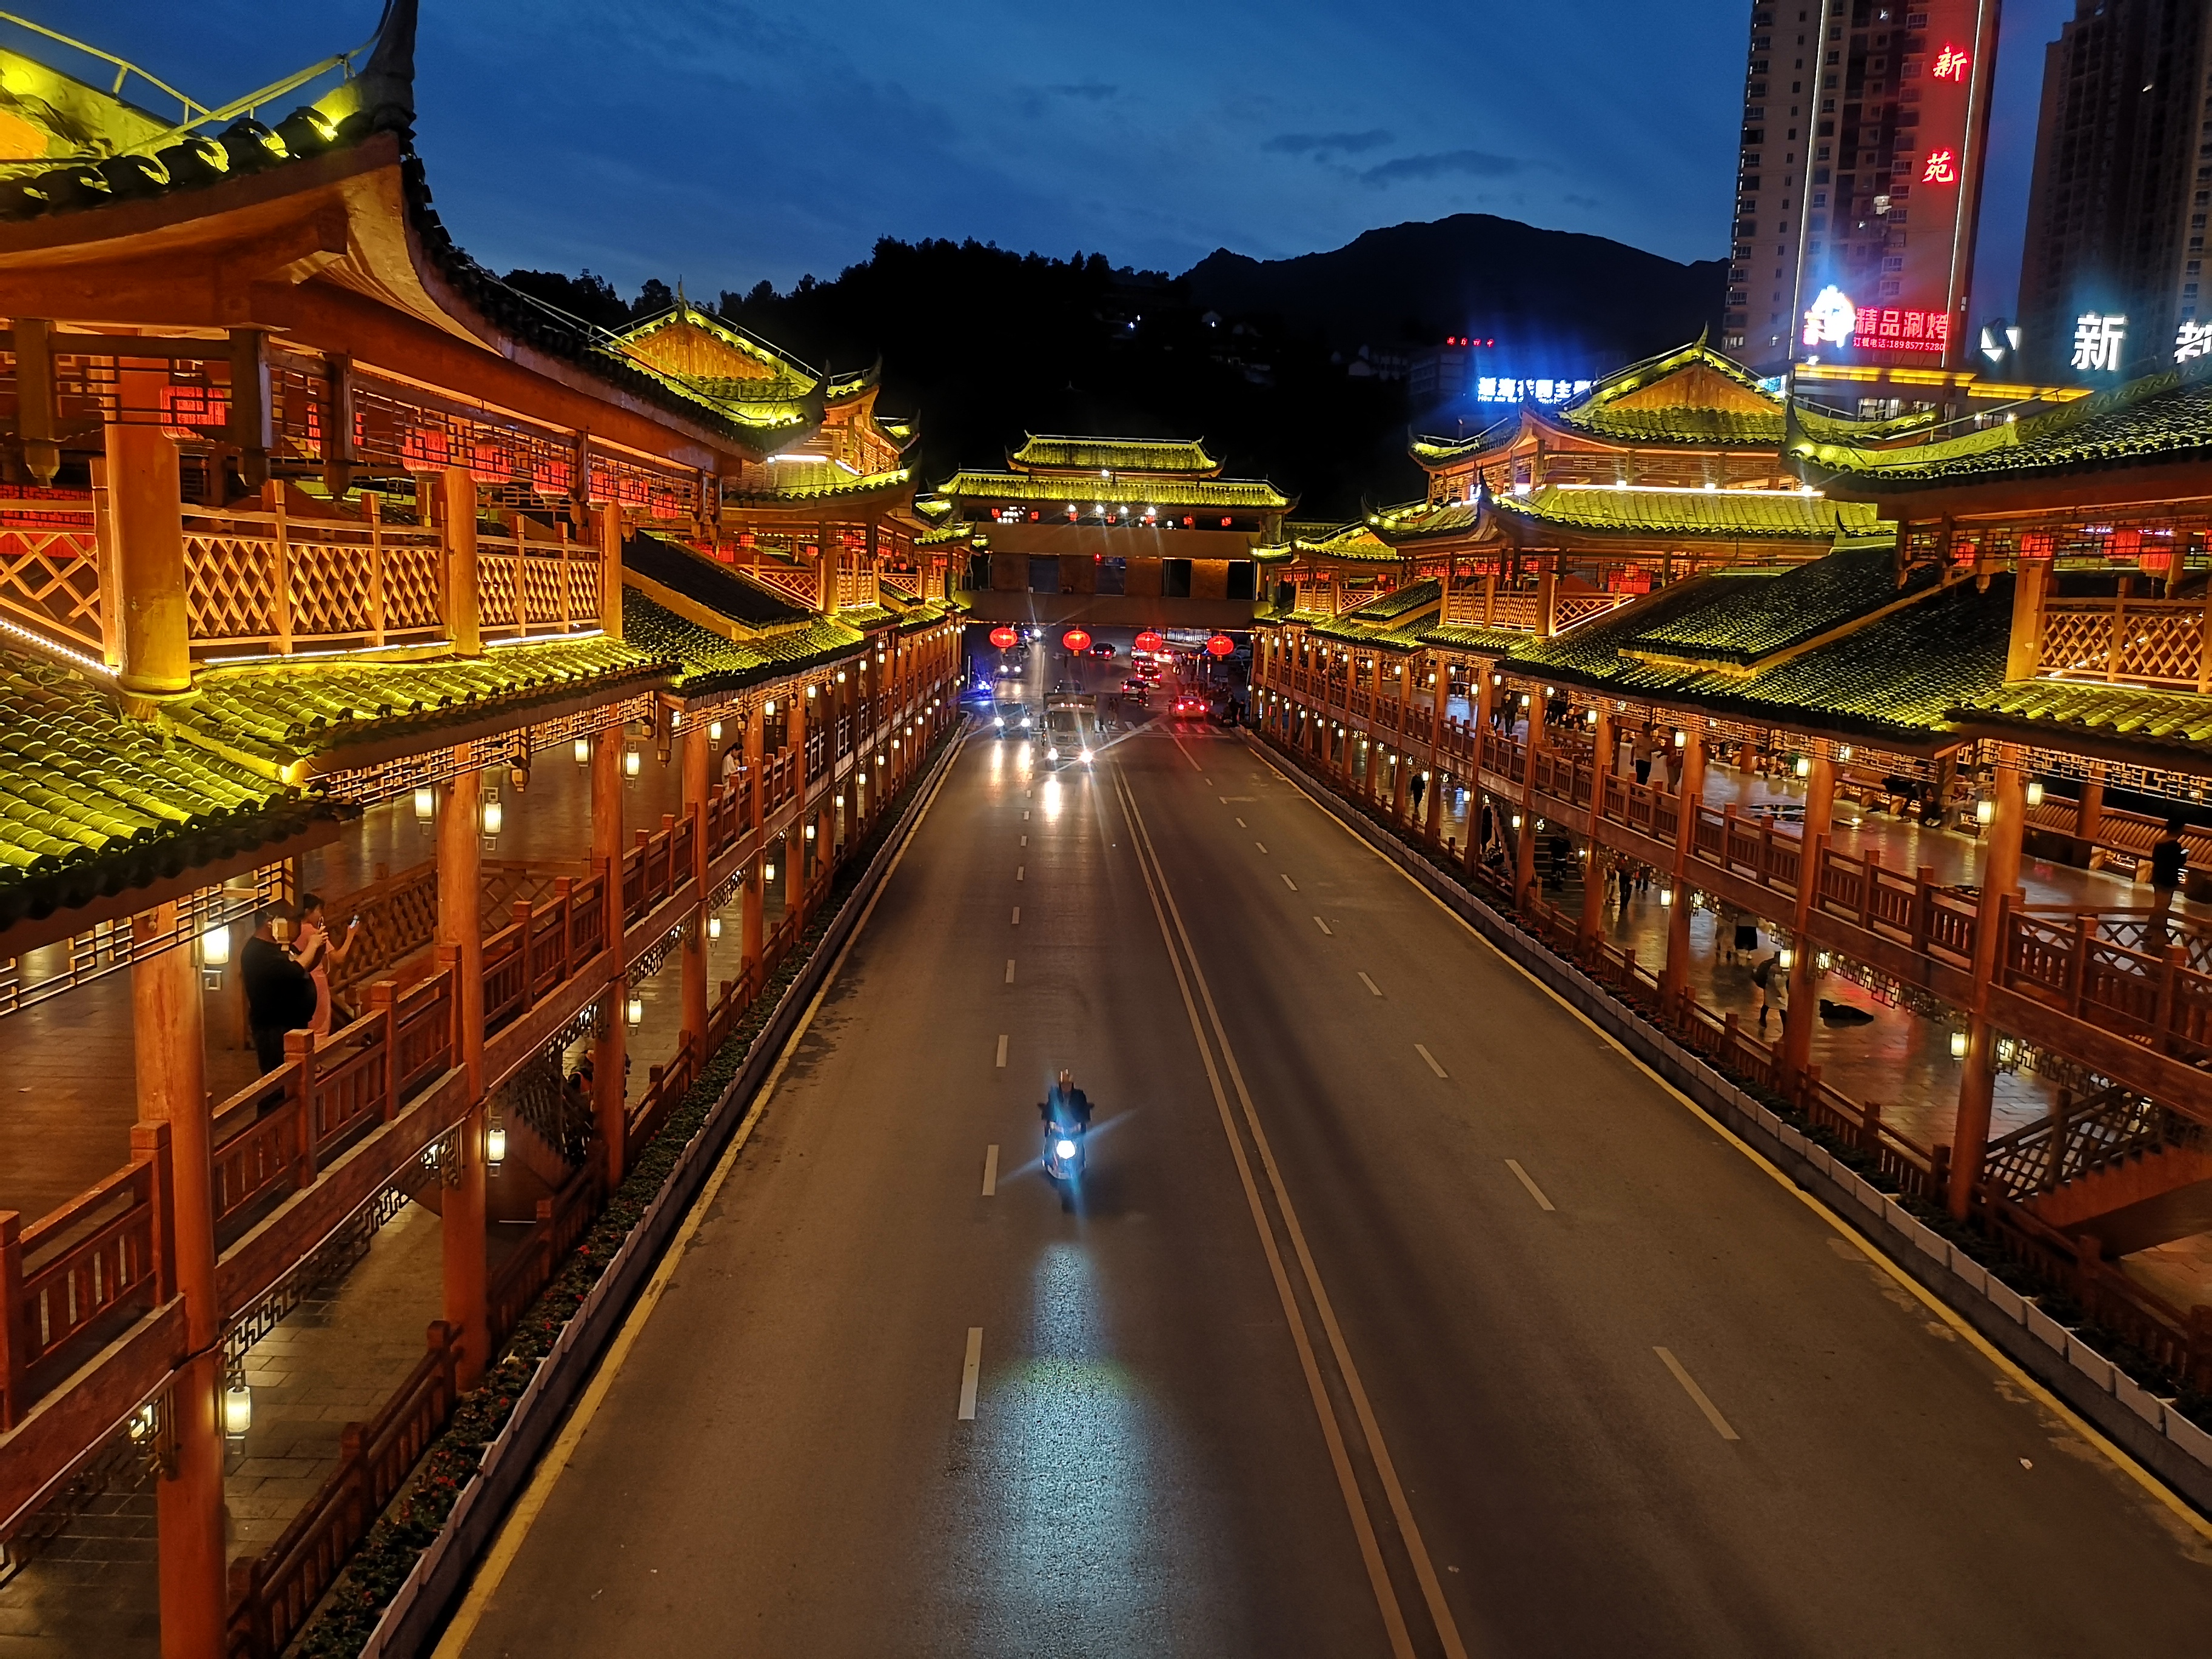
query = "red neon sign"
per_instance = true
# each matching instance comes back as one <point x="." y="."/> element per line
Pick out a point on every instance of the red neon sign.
<point x="1894" y="329"/>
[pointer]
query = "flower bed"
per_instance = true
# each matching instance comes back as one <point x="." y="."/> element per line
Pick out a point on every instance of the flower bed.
<point x="412" y="1522"/>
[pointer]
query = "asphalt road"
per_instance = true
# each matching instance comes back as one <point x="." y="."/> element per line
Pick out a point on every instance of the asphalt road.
<point x="1401" y="1313"/>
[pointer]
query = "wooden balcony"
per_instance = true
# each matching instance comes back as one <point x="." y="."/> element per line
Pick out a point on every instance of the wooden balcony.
<point x="2123" y="641"/>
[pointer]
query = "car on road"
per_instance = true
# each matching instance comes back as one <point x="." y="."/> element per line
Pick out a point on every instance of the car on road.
<point x="1102" y="649"/>
<point x="1070" y="729"/>
<point x="1133" y="687"/>
<point x="1011" y="719"/>
<point x="1190" y="707"/>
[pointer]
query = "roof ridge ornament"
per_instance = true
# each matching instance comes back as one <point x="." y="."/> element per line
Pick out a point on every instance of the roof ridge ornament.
<point x="386" y="88"/>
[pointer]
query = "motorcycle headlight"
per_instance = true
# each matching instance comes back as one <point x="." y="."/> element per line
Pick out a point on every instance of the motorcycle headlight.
<point x="1063" y="1149"/>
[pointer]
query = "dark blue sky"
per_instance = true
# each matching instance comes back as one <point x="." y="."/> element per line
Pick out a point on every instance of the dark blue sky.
<point x="725" y="142"/>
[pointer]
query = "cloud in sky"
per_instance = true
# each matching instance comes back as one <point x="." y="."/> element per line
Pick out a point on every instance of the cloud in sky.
<point x="1440" y="164"/>
<point x="1318" y="143"/>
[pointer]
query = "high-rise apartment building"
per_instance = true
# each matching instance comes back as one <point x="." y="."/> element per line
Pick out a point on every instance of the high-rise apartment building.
<point x="2112" y="277"/>
<point x="1864" y="125"/>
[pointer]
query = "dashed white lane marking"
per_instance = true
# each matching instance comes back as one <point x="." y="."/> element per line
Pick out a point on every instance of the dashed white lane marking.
<point x="991" y="1171"/>
<point x="1288" y="883"/>
<point x="1017" y="916"/>
<point x="1241" y="824"/>
<point x="1018" y="869"/>
<point x="1431" y="1059"/>
<point x="1025" y="841"/>
<point x="1689" y="1387"/>
<point x="1324" y="927"/>
<point x="1010" y="970"/>
<point x="1025" y="814"/>
<point x="970" y="1369"/>
<point x="1525" y="1180"/>
<point x="1373" y="988"/>
<point x="1002" y="1051"/>
<point x="1262" y="844"/>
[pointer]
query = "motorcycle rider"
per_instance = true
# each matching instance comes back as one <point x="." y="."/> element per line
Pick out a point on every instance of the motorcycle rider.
<point x="1065" y="1106"/>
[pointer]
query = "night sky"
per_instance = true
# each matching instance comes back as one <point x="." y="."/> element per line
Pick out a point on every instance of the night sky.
<point x="722" y="143"/>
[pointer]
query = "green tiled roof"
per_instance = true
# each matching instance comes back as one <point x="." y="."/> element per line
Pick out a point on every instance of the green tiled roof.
<point x="1052" y="453"/>
<point x="92" y="803"/>
<point x="1400" y="601"/>
<point x="1769" y="611"/>
<point x="1221" y="495"/>
<point x="1442" y="452"/>
<point x="707" y="661"/>
<point x="1897" y="679"/>
<point x="1352" y="541"/>
<point x="705" y="581"/>
<point x="2159" y="419"/>
<point x="867" y="616"/>
<point x="826" y="483"/>
<point x="2053" y="711"/>
<point x="1472" y="637"/>
<point x="285" y="712"/>
<point x="1715" y="514"/>
<point x="1683" y="424"/>
<point x="1419" y="519"/>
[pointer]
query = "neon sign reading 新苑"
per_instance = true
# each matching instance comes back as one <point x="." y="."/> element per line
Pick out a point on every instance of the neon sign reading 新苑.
<point x="2099" y="343"/>
<point x="1942" y="168"/>
<point x="1951" y="65"/>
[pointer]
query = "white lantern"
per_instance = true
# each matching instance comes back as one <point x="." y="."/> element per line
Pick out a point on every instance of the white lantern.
<point x="494" y="1145"/>
<point x="215" y="947"/>
<point x="583" y="751"/>
<point x="714" y="927"/>
<point x="426" y="804"/>
<point x="237" y="1410"/>
<point x="633" y="762"/>
<point x="635" y="1012"/>
<point x="1959" y="1044"/>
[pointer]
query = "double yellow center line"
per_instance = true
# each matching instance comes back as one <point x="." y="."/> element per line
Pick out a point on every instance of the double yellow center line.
<point x="1190" y="977"/>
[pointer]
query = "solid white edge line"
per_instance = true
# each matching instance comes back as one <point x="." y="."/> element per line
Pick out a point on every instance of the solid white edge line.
<point x="515" y="1529"/>
<point x="2013" y="1370"/>
<point x="972" y="1368"/>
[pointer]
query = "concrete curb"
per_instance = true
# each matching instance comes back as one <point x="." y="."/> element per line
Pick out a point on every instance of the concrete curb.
<point x="2163" y="1441"/>
<point x="416" y="1613"/>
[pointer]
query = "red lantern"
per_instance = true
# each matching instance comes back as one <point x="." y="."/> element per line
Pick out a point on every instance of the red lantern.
<point x="1005" y="637"/>
<point x="1220" y="644"/>
<point x="1076" y="640"/>
<point x="1148" y="640"/>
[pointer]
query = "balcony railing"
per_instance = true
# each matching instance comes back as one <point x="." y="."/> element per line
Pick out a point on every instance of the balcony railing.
<point x="261" y="581"/>
<point x="2126" y="641"/>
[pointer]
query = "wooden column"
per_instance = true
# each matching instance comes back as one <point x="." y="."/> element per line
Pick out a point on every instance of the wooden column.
<point x="1399" y="788"/>
<point x="1674" y="978"/>
<point x="1804" y="977"/>
<point x="753" y="920"/>
<point x="170" y="1056"/>
<point x="464" y="594"/>
<point x="460" y="934"/>
<point x="2024" y="649"/>
<point x="1432" y="808"/>
<point x="610" y="1041"/>
<point x="2000" y="875"/>
<point x="1484" y="705"/>
<point x="1594" y="867"/>
<point x="610" y="569"/>
<point x="151" y="634"/>
<point x="696" y="994"/>
<point x="1547" y="600"/>
<point x="1524" y="844"/>
<point x="794" y="845"/>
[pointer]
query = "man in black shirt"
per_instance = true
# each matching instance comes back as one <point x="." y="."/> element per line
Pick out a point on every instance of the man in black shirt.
<point x="279" y="995"/>
<point x="2167" y="859"/>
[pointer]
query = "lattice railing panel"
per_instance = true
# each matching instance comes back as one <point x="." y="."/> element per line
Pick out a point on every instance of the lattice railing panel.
<point x="2138" y="641"/>
<point x="50" y="573"/>
<point x="584" y="592"/>
<point x="333" y="588"/>
<point x="543" y="603"/>
<point x="1571" y="609"/>
<point x="230" y="586"/>
<point x="414" y="585"/>
<point x="796" y="585"/>
<point x="494" y="588"/>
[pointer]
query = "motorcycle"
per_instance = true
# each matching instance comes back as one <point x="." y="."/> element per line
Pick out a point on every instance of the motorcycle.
<point x="1063" y="1160"/>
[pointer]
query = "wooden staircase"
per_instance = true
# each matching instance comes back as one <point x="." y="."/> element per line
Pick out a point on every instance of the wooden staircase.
<point x="2115" y="1166"/>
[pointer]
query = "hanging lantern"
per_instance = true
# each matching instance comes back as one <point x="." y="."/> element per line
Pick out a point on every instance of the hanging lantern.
<point x="237" y="1410"/>
<point x="1959" y="1044"/>
<point x="1005" y="637"/>
<point x="635" y="1012"/>
<point x="2035" y="791"/>
<point x="215" y="947"/>
<point x="1220" y="646"/>
<point x="425" y="805"/>
<point x="633" y="762"/>
<point x="583" y="751"/>
<point x="1076" y="640"/>
<point x="1148" y="641"/>
<point x="494" y="1145"/>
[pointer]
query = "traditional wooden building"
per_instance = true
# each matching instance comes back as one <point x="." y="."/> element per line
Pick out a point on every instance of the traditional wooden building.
<point x="1139" y="518"/>
<point x="2013" y="637"/>
<point x="328" y="562"/>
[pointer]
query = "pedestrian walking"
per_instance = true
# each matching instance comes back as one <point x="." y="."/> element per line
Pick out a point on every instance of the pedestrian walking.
<point x="1418" y="789"/>
<point x="279" y="995"/>
<point x="1763" y="976"/>
<point x="1641" y="750"/>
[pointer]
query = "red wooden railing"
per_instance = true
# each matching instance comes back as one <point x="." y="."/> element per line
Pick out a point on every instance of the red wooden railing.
<point x="102" y="1255"/>
<point x="272" y="1593"/>
<point x="561" y="1219"/>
